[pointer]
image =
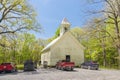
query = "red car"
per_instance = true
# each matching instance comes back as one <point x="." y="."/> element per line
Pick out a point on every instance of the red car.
<point x="8" y="67"/>
<point x="64" y="65"/>
<point x="1" y="68"/>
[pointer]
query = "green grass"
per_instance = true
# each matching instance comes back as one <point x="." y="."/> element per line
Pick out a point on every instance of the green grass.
<point x="109" y="68"/>
<point x="20" y="67"/>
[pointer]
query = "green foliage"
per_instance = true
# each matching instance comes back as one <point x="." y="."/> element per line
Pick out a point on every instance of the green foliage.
<point x="94" y="56"/>
<point x="24" y="46"/>
<point x="20" y="67"/>
<point x="17" y="18"/>
<point x="96" y="40"/>
<point x="57" y="33"/>
<point x="31" y="48"/>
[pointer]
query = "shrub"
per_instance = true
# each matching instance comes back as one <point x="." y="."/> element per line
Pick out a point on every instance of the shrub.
<point x="20" y="67"/>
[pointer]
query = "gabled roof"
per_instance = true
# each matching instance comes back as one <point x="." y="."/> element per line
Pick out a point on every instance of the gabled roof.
<point x="51" y="43"/>
<point x="59" y="38"/>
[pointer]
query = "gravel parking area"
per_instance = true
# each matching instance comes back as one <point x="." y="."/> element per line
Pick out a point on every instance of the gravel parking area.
<point x="53" y="74"/>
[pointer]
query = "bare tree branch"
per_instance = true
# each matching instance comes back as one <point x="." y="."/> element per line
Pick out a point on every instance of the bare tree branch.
<point x="13" y="31"/>
<point x="12" y="17"/>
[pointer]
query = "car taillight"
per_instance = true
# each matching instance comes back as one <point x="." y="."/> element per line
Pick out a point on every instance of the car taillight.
<point x="4" y="67"/>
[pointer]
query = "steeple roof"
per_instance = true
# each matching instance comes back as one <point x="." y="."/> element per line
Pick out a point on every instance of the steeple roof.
<point x="65" y="21"/>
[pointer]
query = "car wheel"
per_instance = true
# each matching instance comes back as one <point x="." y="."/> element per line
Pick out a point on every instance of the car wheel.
<point x="16" y="70"/>
<point x="62" y="69"/>
<point x="13" y="70"/>
<point x="82" y="67"/>
<point x="71" y="69"/>
<point x="56" y="67"/>
<point x="59" y="68"/>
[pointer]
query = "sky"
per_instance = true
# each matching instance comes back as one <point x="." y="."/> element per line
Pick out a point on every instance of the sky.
<point x="51" y="12"/>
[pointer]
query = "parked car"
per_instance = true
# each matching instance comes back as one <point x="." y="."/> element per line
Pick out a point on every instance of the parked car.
<point x="64" y="65"/>
<point x="29" y="65"/>
<point x="90" y="65"/>
<point x="8" y="67"/>
<point x="1" y="68"/>
<point x="35" y="64"/>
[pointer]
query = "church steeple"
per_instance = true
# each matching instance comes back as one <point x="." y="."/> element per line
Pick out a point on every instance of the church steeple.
<point x="65" y="26"/>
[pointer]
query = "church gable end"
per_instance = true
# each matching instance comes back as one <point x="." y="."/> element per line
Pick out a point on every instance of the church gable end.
<point x="68" y="40"/>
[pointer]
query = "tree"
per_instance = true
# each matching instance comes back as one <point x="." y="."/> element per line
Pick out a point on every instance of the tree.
<point x="98" y="40"/>
<point x="112" y="15"/>
<point x="57" y="34"/>
<point x="78" y="33"/>
<point x="28" y="47"/>
<point x="17" y="15"/>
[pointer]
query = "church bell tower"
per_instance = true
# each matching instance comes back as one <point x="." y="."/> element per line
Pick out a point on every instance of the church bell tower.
<point x="65" y="26"/>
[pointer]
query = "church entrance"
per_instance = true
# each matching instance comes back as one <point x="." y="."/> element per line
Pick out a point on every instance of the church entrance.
<point x="68" y="58"/>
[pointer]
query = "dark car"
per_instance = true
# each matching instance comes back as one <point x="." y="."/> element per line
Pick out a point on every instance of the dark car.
<point x="8" y="67"/>
<point x="35" y="65"/>
<point x="90" y="65"/>
<point x="29" y="65"/>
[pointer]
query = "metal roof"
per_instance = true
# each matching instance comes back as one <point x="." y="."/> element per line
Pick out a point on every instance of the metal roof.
<point x="51" y="43"/>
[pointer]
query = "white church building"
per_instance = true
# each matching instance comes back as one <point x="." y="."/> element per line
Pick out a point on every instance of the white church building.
<point x="64" y="47"/>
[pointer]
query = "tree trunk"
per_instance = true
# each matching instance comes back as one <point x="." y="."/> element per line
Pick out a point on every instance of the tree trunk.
<point x="104" y="54"/>
<point x="118" y="39"/>
<point x="103" y="45"/>
<point x="104" y="57"/>
<point x="119" y="57"/>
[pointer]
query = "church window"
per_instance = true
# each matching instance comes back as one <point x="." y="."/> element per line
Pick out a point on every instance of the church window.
<point x="65" y="29"/>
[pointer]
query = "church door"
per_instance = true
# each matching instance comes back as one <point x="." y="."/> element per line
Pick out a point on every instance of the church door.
<point x="68" y="58"/>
